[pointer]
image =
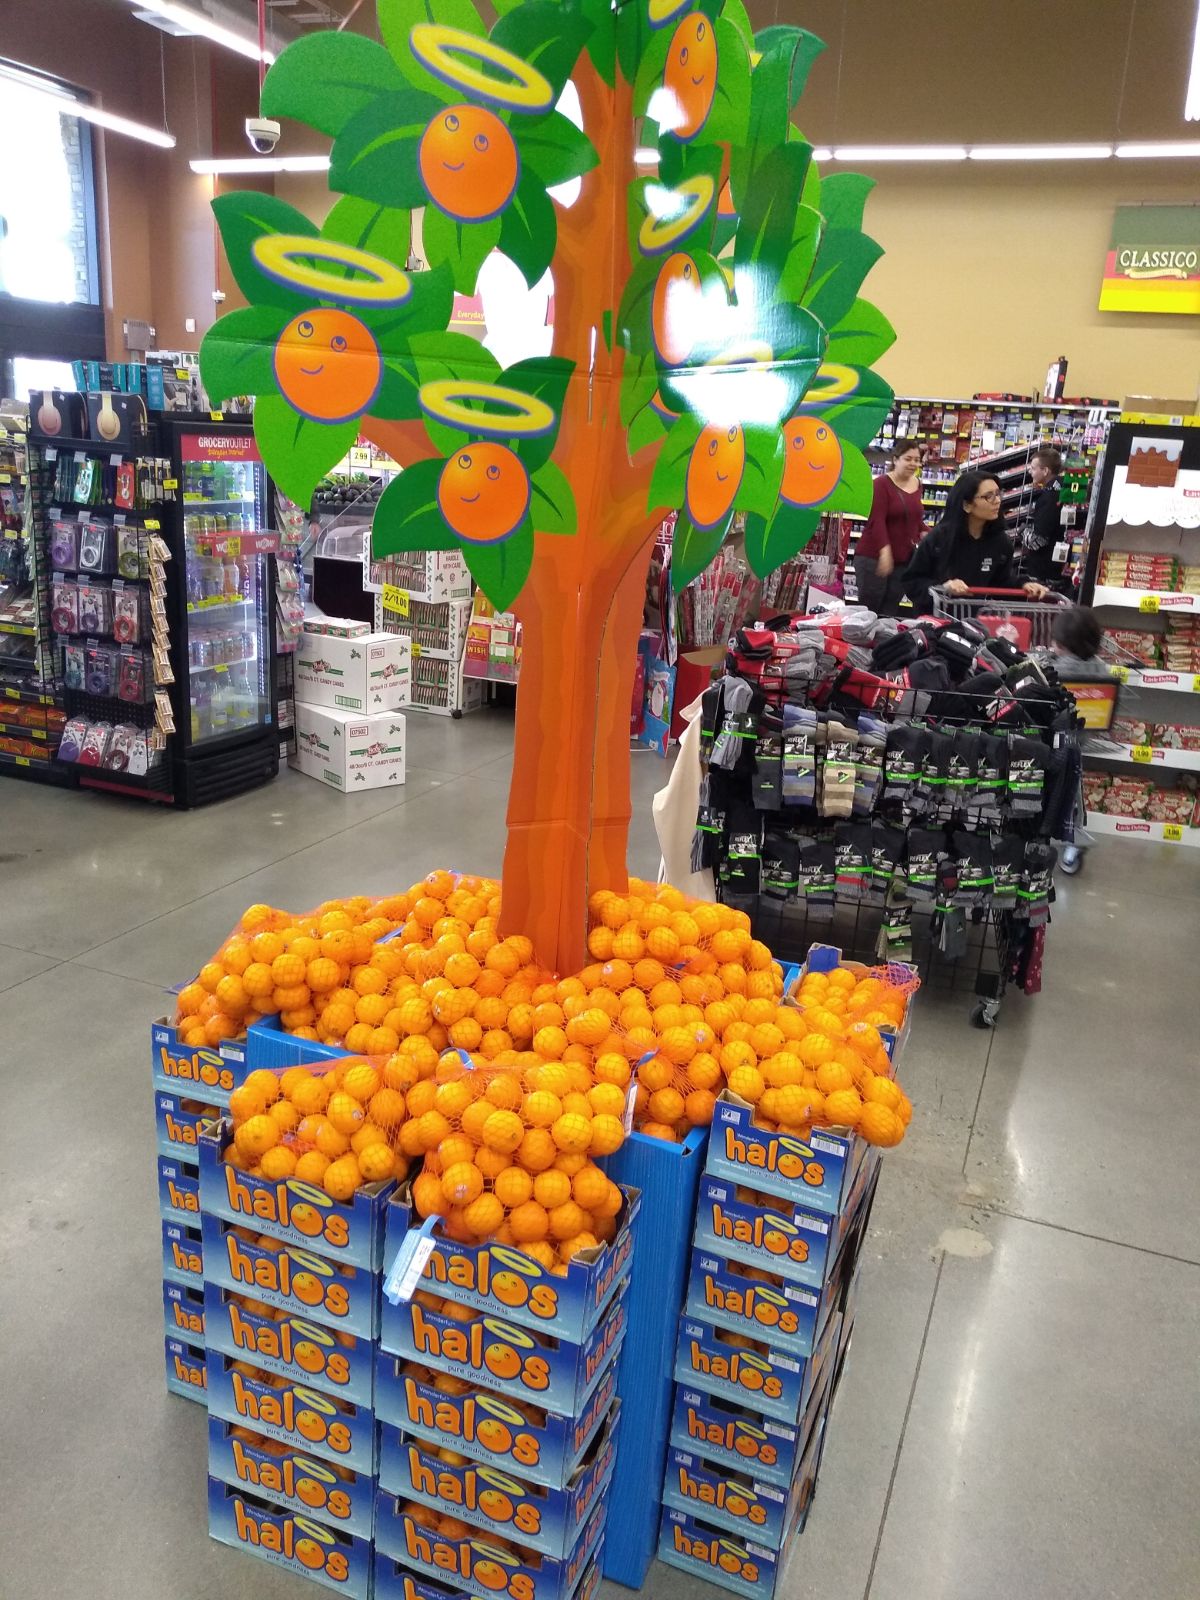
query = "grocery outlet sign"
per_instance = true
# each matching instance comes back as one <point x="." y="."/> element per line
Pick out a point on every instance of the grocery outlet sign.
<point x="1153" y="261"/>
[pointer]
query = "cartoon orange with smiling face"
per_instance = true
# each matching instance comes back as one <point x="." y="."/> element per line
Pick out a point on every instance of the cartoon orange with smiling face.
<point x="812" y="461"/>
<point x="678" y="301"/>
<point x="483" y="493"/>
<point x="690" y="78"/>
<point x="714" y="474"/>
<point x="469" y="163"/>
<point x="327" y="365"/>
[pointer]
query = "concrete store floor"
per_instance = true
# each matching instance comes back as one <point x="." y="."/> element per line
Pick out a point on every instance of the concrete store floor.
<point x="1021" y="1406"/>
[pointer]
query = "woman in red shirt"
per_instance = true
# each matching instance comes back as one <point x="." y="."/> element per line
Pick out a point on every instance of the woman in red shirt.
<point x="893" y="530"/>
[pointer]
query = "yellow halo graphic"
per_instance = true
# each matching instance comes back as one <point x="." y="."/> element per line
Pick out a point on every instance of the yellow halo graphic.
<point x="659" y="233"/>
<point x="663" y="11"/>
<point x="432" y="42"/>
<point x="525" y="418"/>
<point x="838" y="381"/>
<point x="280" y="256"/>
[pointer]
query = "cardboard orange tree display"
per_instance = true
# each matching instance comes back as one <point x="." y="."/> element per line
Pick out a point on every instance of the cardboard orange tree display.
<point x="711" y="352"/>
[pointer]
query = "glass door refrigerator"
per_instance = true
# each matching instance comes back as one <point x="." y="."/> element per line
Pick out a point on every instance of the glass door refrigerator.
<point x="224" y="622"/>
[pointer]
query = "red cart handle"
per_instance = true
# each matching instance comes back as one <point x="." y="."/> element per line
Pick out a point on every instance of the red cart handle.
<point x="1015" y="594"/>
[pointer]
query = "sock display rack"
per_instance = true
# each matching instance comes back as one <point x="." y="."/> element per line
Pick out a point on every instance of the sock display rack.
<point x="1142" y="770"/>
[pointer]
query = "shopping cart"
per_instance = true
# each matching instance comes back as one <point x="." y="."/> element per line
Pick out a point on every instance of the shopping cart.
<point x="1004" y="613"/>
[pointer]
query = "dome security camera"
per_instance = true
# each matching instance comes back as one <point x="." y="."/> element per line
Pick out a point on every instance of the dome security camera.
<point x="263" y="134"/>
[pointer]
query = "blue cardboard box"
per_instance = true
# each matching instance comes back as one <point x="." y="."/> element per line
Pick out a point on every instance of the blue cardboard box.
<point x="816" y="1175"/>
<point x="294" y="1478"/>
<point x="312" y="1286"/>
<point x="200" y="1072"/>
<point x="179" y="1190"/>
<point x="534" y="1516"/>
<point x="774" y="1384"/>
<point x="825" y="957"/>
<point x="177" y="1124"/>
<point x="183" y="1311"/>
<point x="533" y="1444"/>
<point x="478" y="1567"/>
<point x="293" y="1413"/>
<point x="309" y="1548"/>
<point x="182" y="1254"/>
<point x="502" y="1280"/>
<point x="290" y="1345"/>
<point x="299" y="1213"/>
<point x="187" y="1369"/>
<point x="499" y="1355"/>
<point x="735" y="1436"/>
<point x="395" y="1580"/>
<point x="763" y="1230"/>
<point x="786" y="1315"/>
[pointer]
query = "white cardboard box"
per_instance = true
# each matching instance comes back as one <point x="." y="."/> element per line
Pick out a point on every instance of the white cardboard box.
<point x="349" y="752"/>
<point x="367" y="674"/>
<point x="425" y="575"/>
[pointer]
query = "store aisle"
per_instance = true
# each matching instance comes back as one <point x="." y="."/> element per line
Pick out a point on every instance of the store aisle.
<point x="1020" y="1408"/>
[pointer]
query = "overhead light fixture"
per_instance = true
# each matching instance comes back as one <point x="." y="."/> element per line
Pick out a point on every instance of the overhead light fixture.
<point x="1159" y="149"/>
<point x="69" y="105"/>
<point x="1191" y="104"/>
<point x="900" y="152"/>
<point x="822" y="152"/>
<point x="1040" y="152"/>
<point x="198" y="24"/>
<point x="220" y="166"/>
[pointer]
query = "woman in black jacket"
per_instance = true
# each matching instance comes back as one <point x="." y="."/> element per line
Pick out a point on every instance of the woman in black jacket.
<point x="968" y="549"/>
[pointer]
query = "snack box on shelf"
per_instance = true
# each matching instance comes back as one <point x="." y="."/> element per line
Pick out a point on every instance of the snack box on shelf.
<point x="437" y="629"/>
<point x="787" y="1316"/>
<point x="503" y="1281"/>
<point x="199" y="1072"/>
<point x="187" y="1368"/>
<point x="183" y="1311"/>
<point x="817" y="1174"/>
<point x="311" y="1286"/>
<point x="309" y="1548"/>
<point x="291" y="1412"/>
<point x="535" y="1516"/>
<point x="291" y="1477"/>
<point x="477" y="1566"/>
<point x="395" y="1580"/>
<point x="291" y="1210"/>
<point x="179" y="1190"/>
<point x="776" y="1385"/>
<point x="183" y="1254"/>
<point x="501" y="1356"/>
<point x="293" y="1347"/>
<point x="177" y="1124"/>
<point x="520" y="1437"/>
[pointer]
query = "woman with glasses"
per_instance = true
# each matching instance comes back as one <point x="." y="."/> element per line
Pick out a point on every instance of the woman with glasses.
<point x="968" y="549"/>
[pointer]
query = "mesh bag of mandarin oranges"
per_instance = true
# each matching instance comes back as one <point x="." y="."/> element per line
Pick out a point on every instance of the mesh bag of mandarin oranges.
<point x="499" y="1152"/>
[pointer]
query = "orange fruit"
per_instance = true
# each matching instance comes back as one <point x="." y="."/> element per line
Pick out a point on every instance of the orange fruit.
<point x="589" y="1187"/>
<point x="503" y="1131"/>
<point x="345" y="1112"/>
<point x="699" y="1106"/>
<point x="310" y="1167"/>
<point x="880" y="1125"/>
<point x="666" y="1105"/>
<point x="256" y="1136"/>
<point x="483" y="1216"/>
<point x="607" y="1134"/>
<point x="513" y="1186"/>
<point x="462" y="1183"/>
<point x="746" y="1082"/>
<point x="427" y="1195"/>
<point x="536" y="1150"/>
<point x="342" y="1178"/>
<point x="277" y="1163"/>
<point x="832" y="1076"/>
<point x="551" y="1188"/>
<point x="540" y="1109"/>
<point x="331" y="1143"/>
<point x="529" y="1222"/>
<point x="376" y="1163"/>
<point x="843" y="1108"/>
<point x="566" y="1220"/>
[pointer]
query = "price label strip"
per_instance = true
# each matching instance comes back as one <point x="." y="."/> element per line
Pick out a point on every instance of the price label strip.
<point x="1173" y="832"/>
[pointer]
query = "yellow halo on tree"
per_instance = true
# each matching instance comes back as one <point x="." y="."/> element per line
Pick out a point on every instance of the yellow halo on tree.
<point x="443" y="400"/>
<point x="279" y="257"/>
<point x="432" y="42"/>
<point x="839" y="381"/>
<point x="695" y="195"/>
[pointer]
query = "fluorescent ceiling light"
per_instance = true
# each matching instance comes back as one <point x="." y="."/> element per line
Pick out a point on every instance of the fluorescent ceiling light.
<point x="900" y="152"/>
<point x="1041" y="152"/>
<point x="69" y="105"/>
<point x="1161" y="148"/>
<point x="1191" y="105"/>
<point x="822" y="152"/>
<point x="218" y="166"/>
<point x="196" y="23"/>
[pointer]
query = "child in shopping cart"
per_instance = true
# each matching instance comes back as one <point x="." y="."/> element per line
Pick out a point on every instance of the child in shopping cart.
<point x="1075" y="653"/>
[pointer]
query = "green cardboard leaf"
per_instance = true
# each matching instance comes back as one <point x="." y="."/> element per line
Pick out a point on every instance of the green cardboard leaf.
<point x="639" y="384"/>
<point x="647" y="428"/>
<point x="397" y="19"/>
<point x="382" y="230"/>
<point x="728" y="120"/>
<point x="408" y="516"/>
<point x="861" y="337"/>
<point x="854" y="417"/>
<point x="543" y="378"/>
<point x="245" y="217"/>
<point x="602" y="41"/>
<point x="325" y="79"/>
<point x="237" y="354"/>
<point x="844" y="198"/>
<point x="802" y="253"/>
<point x="843" y="261"/>
<point x="734" y="11"/>
<point x="439" y="356"/>
<point x="548" y="34"/>
<point x="798" y="47"/>
<point x="668" y="485"/>
<point x="529" y="230"/>
<point x="650" y="70"/>
<point x="500" y="570"/>
<point x="770" y="541"/>
<point x="375" y="155"/>
<point x="554" y="150"/>
<point x="428" y="308"/>
<point x="296" y="451"/>
<point x="768" y="209"/>
<point x="692" y="549"/>
<point x="763" y="474"/>
<point x="463" y="246"/>
<point x="855" y="487"/>
<point x="552" y="502"/>
<point x="398" y="388"/>
<point x="633" y="36"/>
<point x="786" y="54"/>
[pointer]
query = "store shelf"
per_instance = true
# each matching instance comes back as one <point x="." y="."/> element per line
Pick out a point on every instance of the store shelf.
<point x="26" y="630"/>
<point x="206" y="608"/>
<point x="1140" y="828"/>
<point x="1147" y="600"/>
<point x="21" y="730"/>
<point x="1152" y="678"/>
<point x="28" y="697"/>
<point x="1147" y="755"/>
